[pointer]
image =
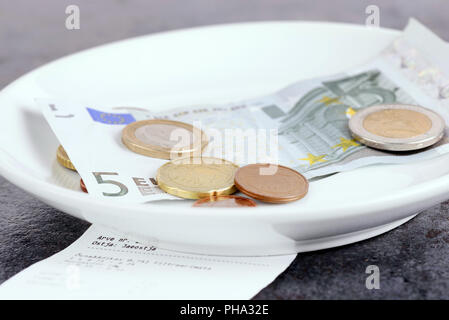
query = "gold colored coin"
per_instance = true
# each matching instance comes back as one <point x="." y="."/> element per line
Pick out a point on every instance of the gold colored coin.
<point x="64" y="159"/>
<point x="164" y="139"/>
<point x="397" y="127"/>
<point x="197" y="177"/>
<point x="397" y="123"/>
<point x="224" y="202"/>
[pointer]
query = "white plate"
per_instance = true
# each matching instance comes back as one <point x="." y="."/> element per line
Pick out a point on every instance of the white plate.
<point x="215" y="64"/>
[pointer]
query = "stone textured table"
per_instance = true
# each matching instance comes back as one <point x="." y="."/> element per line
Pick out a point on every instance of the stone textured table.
<point x="413" y="259"/>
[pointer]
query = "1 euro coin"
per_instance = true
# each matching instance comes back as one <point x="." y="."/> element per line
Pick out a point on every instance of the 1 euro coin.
<point x="164" y="139"/>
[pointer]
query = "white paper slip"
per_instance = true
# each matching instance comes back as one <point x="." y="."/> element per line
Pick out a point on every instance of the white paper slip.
<point x="102" y="265"/>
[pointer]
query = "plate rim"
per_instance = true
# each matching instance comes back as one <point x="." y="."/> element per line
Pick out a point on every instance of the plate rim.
<point x="424" y="191"/>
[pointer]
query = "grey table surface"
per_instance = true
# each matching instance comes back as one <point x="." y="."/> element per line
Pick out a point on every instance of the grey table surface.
<point x="413" y="259"/>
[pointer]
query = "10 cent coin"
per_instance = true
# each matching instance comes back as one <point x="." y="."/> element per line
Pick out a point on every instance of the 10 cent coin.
<point x="195" y="178"/>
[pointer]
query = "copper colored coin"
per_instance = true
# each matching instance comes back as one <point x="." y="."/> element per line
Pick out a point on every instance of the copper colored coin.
<point x="271" y="183"/>
<point x="83" y="186"/>
<point x="224" y="202"/>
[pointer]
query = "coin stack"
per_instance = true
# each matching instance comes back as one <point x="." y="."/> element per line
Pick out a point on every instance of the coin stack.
<point x="64" y="160"/>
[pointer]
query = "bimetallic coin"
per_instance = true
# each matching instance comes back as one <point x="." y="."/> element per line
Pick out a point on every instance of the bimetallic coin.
<point x="83" y="186"/>
<point x="63" y="158"/>
<point x="164" y="139"/>
<point x="396" y="127"/>
<point x="195" y="178"/>
<point x="224" y="202"/>
<point x="271" y="183"/>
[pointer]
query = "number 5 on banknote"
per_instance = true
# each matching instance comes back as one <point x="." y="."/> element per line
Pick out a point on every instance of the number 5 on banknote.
<point x="123" y="189"/>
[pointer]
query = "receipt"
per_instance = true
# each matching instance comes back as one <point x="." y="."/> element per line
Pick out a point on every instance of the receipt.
<point x="104" y="265"/>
